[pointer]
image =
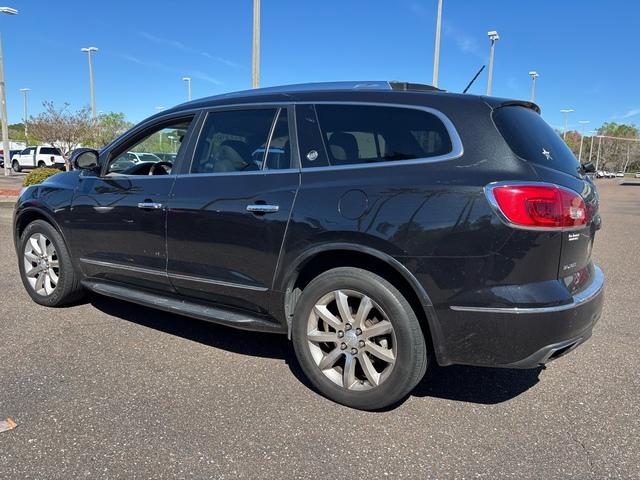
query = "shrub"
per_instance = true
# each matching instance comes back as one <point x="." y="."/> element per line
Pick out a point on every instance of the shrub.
<point x="39" y="175"/>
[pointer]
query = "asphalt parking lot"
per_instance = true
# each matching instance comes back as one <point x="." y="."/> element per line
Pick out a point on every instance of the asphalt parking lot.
<point x="111" y="390"/>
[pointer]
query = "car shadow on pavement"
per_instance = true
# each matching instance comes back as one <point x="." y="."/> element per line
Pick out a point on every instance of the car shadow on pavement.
<point x="459" y="383"/>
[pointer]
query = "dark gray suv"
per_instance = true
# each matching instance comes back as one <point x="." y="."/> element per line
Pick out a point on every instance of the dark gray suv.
<point x="380" y="225"/>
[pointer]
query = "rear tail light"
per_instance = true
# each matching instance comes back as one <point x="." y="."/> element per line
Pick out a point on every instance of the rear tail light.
<point x="538" y="206"/>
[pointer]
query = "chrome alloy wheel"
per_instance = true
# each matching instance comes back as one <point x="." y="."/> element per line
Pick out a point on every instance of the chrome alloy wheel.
<point x="41" y="264"/>
<point x="351" y="340"/>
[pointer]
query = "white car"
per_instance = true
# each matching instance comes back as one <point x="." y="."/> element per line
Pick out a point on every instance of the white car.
<point x="620" y="174"/>
<point x="37" y="157"/>
<point x="637" y="174"/>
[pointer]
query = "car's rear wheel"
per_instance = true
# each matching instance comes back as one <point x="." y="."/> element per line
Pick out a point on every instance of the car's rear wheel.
<point x="41" y="164"/>
<point x="357" y="339"/>
<point x="16" y="166"/>
<point x="45" y="266"/>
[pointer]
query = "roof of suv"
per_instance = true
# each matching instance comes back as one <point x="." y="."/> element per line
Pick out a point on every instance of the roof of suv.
<point x="302" y="91"/>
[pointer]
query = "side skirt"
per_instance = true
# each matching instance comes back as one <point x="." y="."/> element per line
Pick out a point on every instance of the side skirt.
<point x="187" y="308"/>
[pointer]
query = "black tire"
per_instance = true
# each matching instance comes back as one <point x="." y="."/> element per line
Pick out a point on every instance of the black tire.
<point x="16" y="166"/>
<point x="41" y="164"/>
<point x="68" y="288"/>
<point x="411" y="351"/>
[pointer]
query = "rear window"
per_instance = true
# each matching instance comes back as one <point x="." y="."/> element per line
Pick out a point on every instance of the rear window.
<point x="367" y="134"/>
<point x="49" y="151"/>
<point x="532" y="139"/>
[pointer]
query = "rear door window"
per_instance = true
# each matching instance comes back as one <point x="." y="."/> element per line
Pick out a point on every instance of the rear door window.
<point x="532" y="139"/>
<point x="359" y="134"/>
<point x="236" y="141"/>
<point x="49" y="151"/>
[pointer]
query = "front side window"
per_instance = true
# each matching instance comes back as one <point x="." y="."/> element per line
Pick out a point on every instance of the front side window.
<point x="237" y="141"/>
<point x="359" y="134"/>
<point x="153" y="154"/>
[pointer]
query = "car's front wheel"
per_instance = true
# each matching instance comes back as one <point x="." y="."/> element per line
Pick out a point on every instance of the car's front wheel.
<point x="16" y="166"/>
<point x="45" y="266"/>
<point x="357" y="339"/>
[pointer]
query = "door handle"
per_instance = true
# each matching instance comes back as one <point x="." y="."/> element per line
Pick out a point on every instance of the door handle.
<point x="150" y="205"/>
<point x="262" y="208"/>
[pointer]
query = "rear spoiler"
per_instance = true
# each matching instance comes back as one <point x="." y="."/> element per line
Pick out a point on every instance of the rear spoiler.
<point x="500" y="102"/>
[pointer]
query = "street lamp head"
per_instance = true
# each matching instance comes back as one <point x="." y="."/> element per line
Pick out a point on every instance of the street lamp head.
<point x="8" y="10"/>
<point x="534" y="74"/>
<point x="493" y="35"/>
<point x="584" y="122"/>
<point x="186" y="79"/>
<point x="89" y="49"/>
<point x="25" y="89"/>
<point x="567" y="110"/>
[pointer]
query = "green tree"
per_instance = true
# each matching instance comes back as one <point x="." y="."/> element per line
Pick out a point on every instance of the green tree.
<point x="109" y="126"/>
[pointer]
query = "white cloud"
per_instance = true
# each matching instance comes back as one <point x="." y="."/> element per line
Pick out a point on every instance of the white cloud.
<point x="631" y="113"/>
<point x="222" y="60"/>
<point x="466" y="43"/>
<point x="163" y="41"/>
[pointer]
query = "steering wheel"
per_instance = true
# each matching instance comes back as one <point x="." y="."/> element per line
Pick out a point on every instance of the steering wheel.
<point x="161" y="168"/>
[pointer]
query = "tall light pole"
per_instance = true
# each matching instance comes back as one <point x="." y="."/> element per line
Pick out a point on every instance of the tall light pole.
<point x="255" y="59"/>
<point x="494" y="37"/>
<point x="6" y="147"/>
<point x="533" y="76"/>
<point x="188" y="80"/>
<point x="566" y="112"/>
<point x="436" y="50"/>
<point x="583" y="123"/>
<point x="598" y="156"/>
<point x="25" y="114"/>
<point x="592" y="132"/>
<point x="88" y="51"/>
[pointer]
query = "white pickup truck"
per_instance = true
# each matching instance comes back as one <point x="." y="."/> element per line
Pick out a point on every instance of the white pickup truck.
<point x="36" y="157"/>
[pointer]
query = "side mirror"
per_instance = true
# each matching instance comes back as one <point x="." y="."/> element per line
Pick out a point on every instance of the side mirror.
<point x="588" y="167"/>
<point x="85" y="159"/>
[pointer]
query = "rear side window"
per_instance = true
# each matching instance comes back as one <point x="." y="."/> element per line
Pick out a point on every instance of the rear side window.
<point x="236" y="141"/>
<point x="532" y="139"/>
<point x="358" y="134"/>
<point x="49" y="151"/>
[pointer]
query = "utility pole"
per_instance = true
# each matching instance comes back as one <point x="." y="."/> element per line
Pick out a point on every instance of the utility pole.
<point x="494" y="37"/>
<point x="25" y="114"/>
<point x="436" y="51"/>
<point x="88" y="51"/>
<point x="566" y="112"/>
<point x="598" y="157"/>
<point x="583" y="123"/>
<point x="255" y="60"/>
<point x="593" y="132"/>
<point x="6" y="147"/>
<point x="188" y="80"/>
<point x="533" y="76"/>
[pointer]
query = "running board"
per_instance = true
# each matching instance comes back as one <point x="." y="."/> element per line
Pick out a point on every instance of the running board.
<point x="229" y="318"/>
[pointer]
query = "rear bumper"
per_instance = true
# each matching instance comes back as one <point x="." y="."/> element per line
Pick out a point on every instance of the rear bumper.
<point x="515" y="337"/>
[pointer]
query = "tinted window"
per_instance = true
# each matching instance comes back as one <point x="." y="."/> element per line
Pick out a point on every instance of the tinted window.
<point x="233" y="141"/>
<point x="279" y="152"/>
<point x="532" y="139"/>
<point x="369" y="134"/>
<point x="49" y="151"/>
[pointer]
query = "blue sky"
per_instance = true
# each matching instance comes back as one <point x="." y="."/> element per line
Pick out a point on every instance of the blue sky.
<point x="585" y="51"/>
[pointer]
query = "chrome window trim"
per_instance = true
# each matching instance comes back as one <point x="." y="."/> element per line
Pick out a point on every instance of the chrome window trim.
<point x="457" y="149"/>
<point x="584" y="296"/>
<point x="488" y="191"/>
